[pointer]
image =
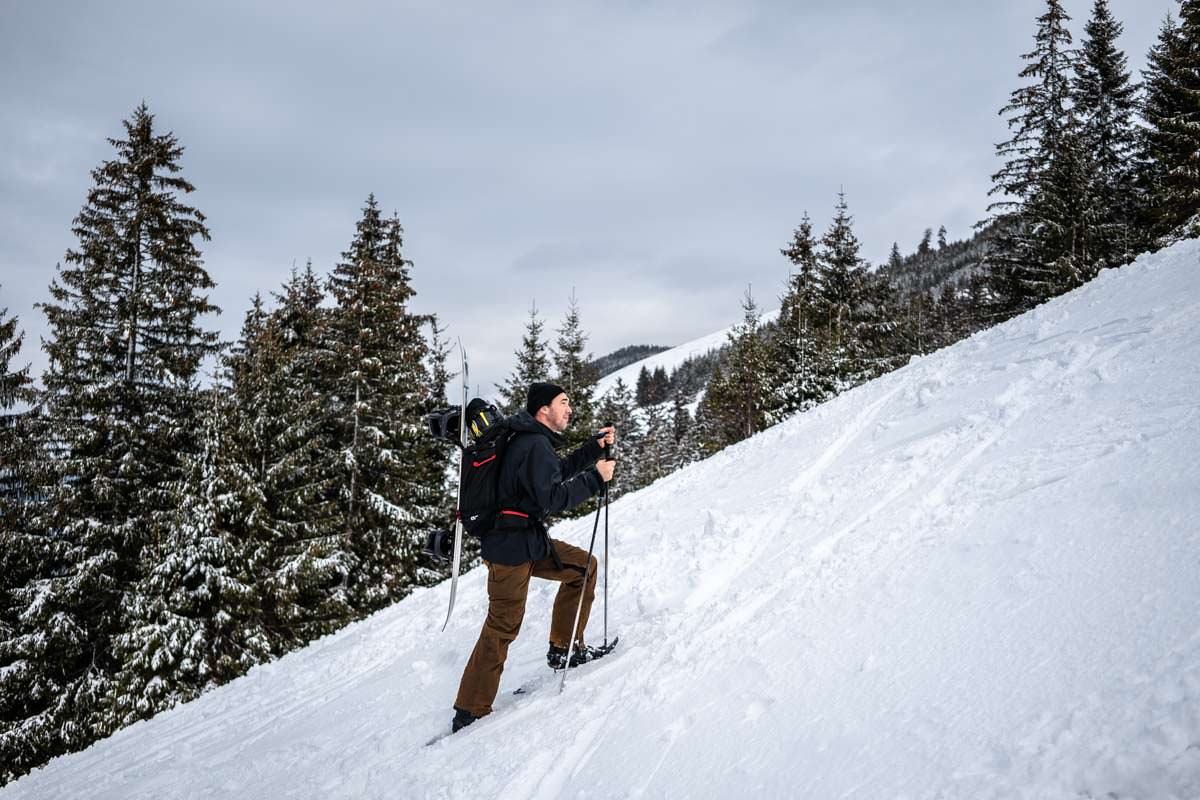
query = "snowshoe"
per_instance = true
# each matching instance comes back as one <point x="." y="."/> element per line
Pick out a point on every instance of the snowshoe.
<point x="556" y="657"/>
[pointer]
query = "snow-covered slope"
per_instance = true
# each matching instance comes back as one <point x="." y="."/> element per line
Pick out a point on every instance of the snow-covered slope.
<point x="672" y="358"/>
<point x="977" y="577"/>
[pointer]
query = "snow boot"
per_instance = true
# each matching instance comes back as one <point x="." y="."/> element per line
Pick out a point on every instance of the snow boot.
<point x="461" y="719"/>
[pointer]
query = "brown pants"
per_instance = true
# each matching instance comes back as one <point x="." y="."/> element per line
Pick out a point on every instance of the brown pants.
<point x="507" y="589"/>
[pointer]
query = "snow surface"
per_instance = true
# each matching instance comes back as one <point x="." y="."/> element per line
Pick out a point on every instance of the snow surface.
<point x="672" y="358"/>
<point x="977" y="577"/>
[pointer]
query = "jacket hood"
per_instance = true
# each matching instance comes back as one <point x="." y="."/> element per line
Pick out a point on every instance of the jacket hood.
<point x="524" y="422"/>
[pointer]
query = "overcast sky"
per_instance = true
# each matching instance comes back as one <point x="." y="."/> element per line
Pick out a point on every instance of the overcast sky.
<point x="654" y="157"/>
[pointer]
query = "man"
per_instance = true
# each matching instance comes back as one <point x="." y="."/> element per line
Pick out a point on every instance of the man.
<point x="534" y="484"/>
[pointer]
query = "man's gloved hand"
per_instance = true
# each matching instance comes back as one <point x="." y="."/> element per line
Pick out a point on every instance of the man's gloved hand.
<point x="608" y="436"/>
<point x="605" y="468"/>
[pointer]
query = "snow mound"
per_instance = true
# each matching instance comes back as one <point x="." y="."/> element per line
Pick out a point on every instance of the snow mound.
<point x="977" y="577"/>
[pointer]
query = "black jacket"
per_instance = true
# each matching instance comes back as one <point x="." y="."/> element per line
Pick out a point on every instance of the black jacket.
<point x="536" y="483"/>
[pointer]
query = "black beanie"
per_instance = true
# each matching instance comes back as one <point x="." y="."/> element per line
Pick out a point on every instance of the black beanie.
<point x="541" y="394"/>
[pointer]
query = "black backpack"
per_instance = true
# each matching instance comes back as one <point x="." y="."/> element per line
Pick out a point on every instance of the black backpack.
<point x="478" y="494"/>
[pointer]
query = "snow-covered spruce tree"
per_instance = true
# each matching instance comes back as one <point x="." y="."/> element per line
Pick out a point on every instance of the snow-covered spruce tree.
<point x="682" y="432"/>
<point x="879" y="326"/>
<point x="533" y="364"/>
<point x="656" y="451"/>
<point x="120" y="403"/>
<point x="796" y="350"/>
<point x="1104" y="102"/>
<point x="393" y="486"/>
<point x="917" y="329"/>
<point x="735" y="404"/>
<point x="195" y="622"/>
<point x="1169" y="147"/>
<point x="948" y="323"/>
<point x="439" y="356"/>
<point x="843" y="309"/>
<point x="296" y="541"/>
<point x="16" y="443"/>
<point x="574" y="373"/>
<point x="941" y="237"/>
<point x="925" y="247"/>
<point x="21" y="553"/>
<point x="1066" y="216"/>
<point x="653" y="386"/>
<point x="1038" y="114"/>
<point x="708" y="429"/>
<point x="242" y="357"/>
<point x="642" y="391"/>
<point x="660" y="385"/>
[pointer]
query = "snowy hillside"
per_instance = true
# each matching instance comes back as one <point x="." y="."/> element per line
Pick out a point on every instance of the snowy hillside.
<point x="672" y="358"/>
<point x="977" y="577"/>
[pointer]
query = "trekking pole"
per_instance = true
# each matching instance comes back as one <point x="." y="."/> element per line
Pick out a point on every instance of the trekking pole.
<point x="608" y="456"/>
<point x="586" y="572"/>
<point x="583" y="591"/>
<point x="606" y="568"/>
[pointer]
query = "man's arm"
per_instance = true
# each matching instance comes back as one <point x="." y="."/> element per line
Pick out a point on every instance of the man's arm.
<point x="544" y="480"/>
<point x="581" y="458"/>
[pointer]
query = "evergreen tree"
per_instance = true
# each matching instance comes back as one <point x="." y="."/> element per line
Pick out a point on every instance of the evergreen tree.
<point x="1066" y="216"/>
<point x="241" y="359"/>
<point x="20" y="551"/>
<point x="841" y="304"/>
<point x="947" y="318"/>
<point x="617" y="408"/>
<point x="642" y="394"/>
<point x="918" y="327"/>
<point x="682" y="432"/>
<point x="16" y="395"/>
<point x="878" y="328"/>
<point x="533" y="365"/>
<point x="941" y="237"/>
<point x="925" y="248"/>
<point x="575" y="374"/>
<point x="393" y="483"/>
<point x="120" y="402"/>
<point x="735" y="404"/>
<point x="1169" y="163"/>
<point x="655" y="453"/>
<point x="895" y="260"/>
<point x="796" y="349"/>
<point x="975" y="311"/>
<point x="660" y="386"/>
<point x="1024" y="269"/>
<point x="439" y="354"/>
<point x="1104" y="104"/>
<point x="296" y="541"/>
<point x="195" y="624"/>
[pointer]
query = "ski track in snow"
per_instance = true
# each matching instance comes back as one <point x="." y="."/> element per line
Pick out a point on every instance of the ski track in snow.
<point x="976" y="577"/>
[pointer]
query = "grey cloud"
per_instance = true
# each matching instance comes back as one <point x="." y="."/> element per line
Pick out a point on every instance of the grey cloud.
<point x="655" y="156"/>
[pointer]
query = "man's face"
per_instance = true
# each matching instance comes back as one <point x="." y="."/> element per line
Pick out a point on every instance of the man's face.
<point x="557" y="415"/>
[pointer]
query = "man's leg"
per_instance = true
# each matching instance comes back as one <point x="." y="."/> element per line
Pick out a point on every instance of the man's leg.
<point x="571" y="577"/>
<point x="507" y="588"/>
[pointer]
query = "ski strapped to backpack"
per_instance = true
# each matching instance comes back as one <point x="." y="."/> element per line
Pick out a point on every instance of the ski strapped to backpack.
<point x="438" y="543"/>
